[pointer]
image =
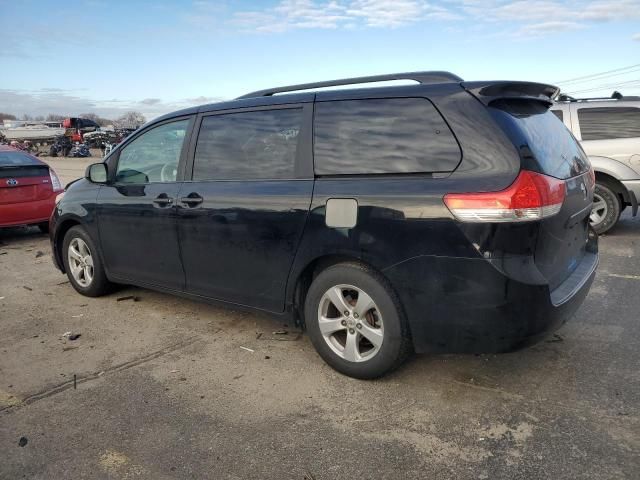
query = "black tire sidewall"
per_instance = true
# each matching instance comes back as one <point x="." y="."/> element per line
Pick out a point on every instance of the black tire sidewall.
<point x="395" y="335"/>
<point x="613" y="208"/>
<point x="100" y="285"/>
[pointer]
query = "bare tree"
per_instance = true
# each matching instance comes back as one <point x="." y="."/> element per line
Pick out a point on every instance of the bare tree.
<point x="132" y="119"/>
<point x="103" y="122"/>
<point x="90" y="116"/>
<point x="54" y="117"/>
<point x="7" y="116"/>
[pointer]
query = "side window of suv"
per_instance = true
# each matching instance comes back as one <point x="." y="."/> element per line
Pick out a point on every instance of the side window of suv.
<point x="153" y="156"/>
<point x="248" y="145"/>
<point x="558" y="113"/>
<point x="602" y="123"/>
<point x="396" y="135"/>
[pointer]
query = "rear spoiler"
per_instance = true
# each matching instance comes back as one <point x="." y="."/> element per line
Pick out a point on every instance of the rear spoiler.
<point x="488" y="92"/>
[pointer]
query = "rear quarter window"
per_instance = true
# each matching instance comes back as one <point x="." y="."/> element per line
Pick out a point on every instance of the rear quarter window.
<point x="603" y="123"/>
<point x="558" y="113"/>
<point x="374" y="136"/>
<point x="544" y="143"/>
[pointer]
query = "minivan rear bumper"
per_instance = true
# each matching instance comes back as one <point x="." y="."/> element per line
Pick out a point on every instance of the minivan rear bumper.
<point x="466" y="305"/>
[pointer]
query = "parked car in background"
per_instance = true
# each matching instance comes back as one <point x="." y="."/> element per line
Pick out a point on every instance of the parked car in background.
<point x="28" y="189"/>
<point x="609" y="131"/>
<point x="445" y="216"/>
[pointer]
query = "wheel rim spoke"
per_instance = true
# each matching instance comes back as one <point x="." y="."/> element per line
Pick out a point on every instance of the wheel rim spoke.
<point x="337" y="298"/>
<point x="599" y="210"/>
<point x="88" y="274"/>
<point x="75" y="267"/>
<point x="364" y="304"/>
<point x="73" y="252"/>
<point x="374" y="335"/>
<point x="351" y="352"/>
<point x="328" y="326"/>
<point x="84" y="250"/>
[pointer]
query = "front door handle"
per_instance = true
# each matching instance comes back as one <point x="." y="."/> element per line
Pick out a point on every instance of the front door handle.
<point x="163" y="200"/>
<point x="192" y="200"/>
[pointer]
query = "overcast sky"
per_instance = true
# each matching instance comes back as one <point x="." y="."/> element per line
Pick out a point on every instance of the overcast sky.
<point x="107" y="57"/>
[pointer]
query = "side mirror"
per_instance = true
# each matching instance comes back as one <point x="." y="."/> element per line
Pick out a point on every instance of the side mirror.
<point x="96" y="173"/>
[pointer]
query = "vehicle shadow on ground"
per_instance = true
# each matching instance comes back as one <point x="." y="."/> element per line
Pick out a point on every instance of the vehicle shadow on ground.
<point x="11" y="234"/>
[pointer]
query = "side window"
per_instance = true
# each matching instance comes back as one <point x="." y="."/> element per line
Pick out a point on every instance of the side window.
<point x="601" y="123"/>
<point x="153" y="156"/>
<point x="558" y="113"/>
<point x="398" y="135"/>
<point x="248" y="145"/>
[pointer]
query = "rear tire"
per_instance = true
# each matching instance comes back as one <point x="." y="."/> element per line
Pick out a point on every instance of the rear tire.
<point x="606" y="208"/>
<point x="83" y="264"/>
<point x="355" y="321"/>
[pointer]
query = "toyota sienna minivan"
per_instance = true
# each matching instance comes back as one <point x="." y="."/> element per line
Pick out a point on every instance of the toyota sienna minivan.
<point x="442" y="216"/>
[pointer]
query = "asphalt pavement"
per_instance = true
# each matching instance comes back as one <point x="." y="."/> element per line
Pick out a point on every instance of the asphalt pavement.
<point x="159" y="387"/>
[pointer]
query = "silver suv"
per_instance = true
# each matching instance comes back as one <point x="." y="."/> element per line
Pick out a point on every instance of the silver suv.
<point x="609" y="131"/>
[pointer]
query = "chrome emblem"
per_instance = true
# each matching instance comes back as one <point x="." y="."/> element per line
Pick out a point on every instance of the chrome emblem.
<point x="12" y="182"/>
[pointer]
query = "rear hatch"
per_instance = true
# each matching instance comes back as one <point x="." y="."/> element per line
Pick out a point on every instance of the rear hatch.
<point x="547" y="147"/>
<point x="23" y="179"/>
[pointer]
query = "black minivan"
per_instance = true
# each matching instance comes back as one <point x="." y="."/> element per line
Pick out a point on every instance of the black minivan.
<point x="441" y="216"/>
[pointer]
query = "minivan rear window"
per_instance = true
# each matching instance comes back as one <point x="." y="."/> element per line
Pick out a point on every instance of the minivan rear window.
<point x="602" y="123"/>
<point x="372" y="136"/>
<point x="544" y="143"/>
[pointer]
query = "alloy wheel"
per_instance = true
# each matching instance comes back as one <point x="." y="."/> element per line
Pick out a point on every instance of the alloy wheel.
<point x="599" y="210"/>
<point x="350" y="323"/>
<point x="80" y="262"/>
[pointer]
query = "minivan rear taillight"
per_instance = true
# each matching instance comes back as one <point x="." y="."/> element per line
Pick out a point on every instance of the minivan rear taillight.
<point x="55" y="181"/>
<point x="532" y="196"/>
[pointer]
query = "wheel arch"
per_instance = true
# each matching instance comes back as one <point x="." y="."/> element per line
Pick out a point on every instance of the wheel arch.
<point x="58" y="238"/>
<point x="615" y="185"/>
<point x="312" y="269"/>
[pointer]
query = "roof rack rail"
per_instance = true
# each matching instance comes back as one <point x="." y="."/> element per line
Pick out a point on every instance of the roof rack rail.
<point x="563" y="97"/>
<point x="420" y="77"/>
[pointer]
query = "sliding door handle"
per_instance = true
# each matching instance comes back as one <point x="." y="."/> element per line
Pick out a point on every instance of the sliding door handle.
<point x="192" y="200"/>
<point x="163" y="200"/>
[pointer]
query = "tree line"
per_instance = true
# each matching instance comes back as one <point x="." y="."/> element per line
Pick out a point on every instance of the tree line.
<point x="131" y="118"/>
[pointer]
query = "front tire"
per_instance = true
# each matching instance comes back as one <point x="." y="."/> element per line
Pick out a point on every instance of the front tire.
<point x="83" y="264"/>
<point x="355" y="321"/>
<point x="606" y="208"/>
